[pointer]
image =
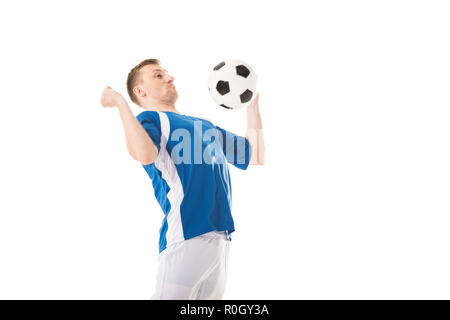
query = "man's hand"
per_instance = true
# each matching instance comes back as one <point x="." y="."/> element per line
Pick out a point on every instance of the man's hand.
<point x="111" y="98"/>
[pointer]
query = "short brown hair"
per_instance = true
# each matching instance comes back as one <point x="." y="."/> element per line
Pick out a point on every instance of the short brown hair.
<point x="133" y="77"/>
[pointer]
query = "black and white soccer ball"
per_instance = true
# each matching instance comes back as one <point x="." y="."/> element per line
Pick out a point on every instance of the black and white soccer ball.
<point x="232" y="84"/>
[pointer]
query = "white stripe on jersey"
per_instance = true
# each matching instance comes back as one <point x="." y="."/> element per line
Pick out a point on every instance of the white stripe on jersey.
<point x="165" y="164"/>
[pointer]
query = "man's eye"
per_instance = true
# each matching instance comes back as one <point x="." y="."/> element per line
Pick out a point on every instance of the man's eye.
<point x="159" y="75"/>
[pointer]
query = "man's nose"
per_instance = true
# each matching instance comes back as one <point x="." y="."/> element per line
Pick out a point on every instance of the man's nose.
<point x="170" y="79"/>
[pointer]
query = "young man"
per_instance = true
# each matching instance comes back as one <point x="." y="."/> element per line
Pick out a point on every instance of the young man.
<point x="190" y="178"/>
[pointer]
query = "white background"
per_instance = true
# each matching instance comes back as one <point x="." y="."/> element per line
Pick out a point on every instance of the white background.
<point x="353" y="202"/>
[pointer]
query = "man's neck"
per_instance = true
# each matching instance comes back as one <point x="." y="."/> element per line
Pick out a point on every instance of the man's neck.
<point x="162" y="107"/>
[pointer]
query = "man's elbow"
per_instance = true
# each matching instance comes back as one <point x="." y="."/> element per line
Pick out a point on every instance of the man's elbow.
<point x="261" y="156"/>
<point x="257" y="159"/>
<point x="146" y="161"/>
<point x="257" y="162"/>
<point x="147" y="157"/>
<point x="257" y="153"/>
<point x="260" y="162"/>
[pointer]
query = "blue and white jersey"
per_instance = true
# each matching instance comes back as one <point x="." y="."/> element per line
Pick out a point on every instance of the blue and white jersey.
<point x="190" y="176"/>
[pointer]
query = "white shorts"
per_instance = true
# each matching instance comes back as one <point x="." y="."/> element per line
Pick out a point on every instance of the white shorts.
<point x="193" y="269"/>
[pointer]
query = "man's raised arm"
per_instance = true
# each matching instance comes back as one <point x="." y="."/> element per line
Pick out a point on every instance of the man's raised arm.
<point x="255" y="132"/>
<point x="139" y="144"/>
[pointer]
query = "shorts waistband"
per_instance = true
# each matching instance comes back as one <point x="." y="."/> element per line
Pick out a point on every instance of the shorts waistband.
<point x="217" y="235"/>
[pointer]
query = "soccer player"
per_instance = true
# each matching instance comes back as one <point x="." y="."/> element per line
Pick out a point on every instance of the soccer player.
<point x="187" y="160"/>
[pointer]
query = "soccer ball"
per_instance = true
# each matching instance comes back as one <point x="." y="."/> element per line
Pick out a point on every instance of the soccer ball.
<point x="232" y="84"/>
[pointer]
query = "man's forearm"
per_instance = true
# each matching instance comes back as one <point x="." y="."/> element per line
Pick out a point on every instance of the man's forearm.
<point x="139" y="144"/>
<point x="255" y="134"/>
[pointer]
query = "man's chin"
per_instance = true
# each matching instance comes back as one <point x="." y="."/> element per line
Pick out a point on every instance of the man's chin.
<point x="174" y="97"/>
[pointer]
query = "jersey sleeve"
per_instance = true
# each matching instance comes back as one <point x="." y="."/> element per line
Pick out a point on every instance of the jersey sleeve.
<point x="152" y="126"/>
<point x="237" y="149"/>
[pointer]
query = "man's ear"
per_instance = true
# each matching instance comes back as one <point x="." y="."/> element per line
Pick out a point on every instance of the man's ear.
<point x="139" y="92"/>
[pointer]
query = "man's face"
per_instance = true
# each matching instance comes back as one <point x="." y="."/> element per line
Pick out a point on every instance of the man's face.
<point x="158" y="84"/>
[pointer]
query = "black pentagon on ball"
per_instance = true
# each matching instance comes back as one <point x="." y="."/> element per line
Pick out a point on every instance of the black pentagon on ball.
<point x="223" y="87"/>
<point x="246" y="96"/>
<point x="242" y="71"/>
<point x="220" y="65"/>
<point x="222" y="105"/>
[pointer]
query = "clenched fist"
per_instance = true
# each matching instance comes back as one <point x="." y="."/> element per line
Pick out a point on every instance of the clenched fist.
<point x="111" y="98"/>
